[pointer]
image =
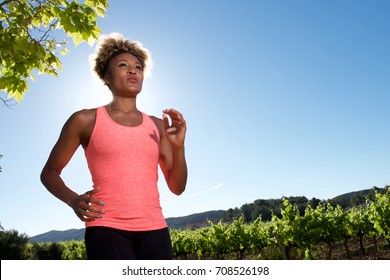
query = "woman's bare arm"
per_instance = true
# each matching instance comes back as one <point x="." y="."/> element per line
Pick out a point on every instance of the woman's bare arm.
<point x="73" y="134"/>
<point x="172" y="152"/>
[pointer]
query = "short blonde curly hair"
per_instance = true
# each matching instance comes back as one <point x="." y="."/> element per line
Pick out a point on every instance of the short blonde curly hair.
<point x="109" y="46"/>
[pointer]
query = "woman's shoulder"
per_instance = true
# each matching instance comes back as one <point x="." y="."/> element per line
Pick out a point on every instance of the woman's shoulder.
<point x="158" y="122"/>
<point x="82" y="123"/>
<point x="155" y="119"/>
<point x="84" y="115"/>
<point x="82" y="119"/>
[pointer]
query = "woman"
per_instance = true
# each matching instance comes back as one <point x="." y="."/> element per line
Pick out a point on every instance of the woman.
<point x="123" y="147"/>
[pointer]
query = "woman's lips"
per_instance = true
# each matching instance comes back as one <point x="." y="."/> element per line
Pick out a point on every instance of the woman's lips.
<point x="132" y="80"/>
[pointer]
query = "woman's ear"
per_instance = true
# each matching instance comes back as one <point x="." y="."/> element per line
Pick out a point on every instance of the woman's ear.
<point x="106" y="80"/>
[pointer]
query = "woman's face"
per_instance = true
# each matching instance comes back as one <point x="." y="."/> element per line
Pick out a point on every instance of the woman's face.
<point x="125" y="75"/>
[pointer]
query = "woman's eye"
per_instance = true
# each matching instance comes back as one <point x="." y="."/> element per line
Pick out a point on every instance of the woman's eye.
<point x="139" y="67"/>
<point x="122" y="65"/>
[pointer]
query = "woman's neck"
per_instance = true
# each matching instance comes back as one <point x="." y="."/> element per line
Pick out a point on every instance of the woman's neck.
<point x="123" y="104"/>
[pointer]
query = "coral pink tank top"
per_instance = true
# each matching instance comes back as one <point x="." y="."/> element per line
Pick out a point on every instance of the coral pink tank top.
<point x="123" y="162"/>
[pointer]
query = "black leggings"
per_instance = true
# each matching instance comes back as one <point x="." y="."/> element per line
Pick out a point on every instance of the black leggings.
<point x="104" y="243"/>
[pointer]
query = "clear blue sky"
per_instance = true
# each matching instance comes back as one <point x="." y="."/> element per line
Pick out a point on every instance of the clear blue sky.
<point x="281" y="98"/>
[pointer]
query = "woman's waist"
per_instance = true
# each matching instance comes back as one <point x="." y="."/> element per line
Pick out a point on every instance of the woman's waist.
<point x="127" y="195"/>
<point x="141" y="218"/>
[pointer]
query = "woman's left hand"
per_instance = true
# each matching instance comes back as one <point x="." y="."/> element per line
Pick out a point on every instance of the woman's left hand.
<point x="177" y="130"/>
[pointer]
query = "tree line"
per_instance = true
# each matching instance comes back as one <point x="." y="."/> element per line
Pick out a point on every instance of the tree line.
<point x="266" y="208"/>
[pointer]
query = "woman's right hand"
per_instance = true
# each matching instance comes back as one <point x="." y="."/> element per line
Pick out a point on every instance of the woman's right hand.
<point x="84" y="206"/>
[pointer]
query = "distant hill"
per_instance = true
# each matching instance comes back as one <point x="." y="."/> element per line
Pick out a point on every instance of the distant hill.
<point x="354" y="198"/>
<point x="57" y="236"/>
<point x="195" y="220"/>
<point x="250" y="211"/>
